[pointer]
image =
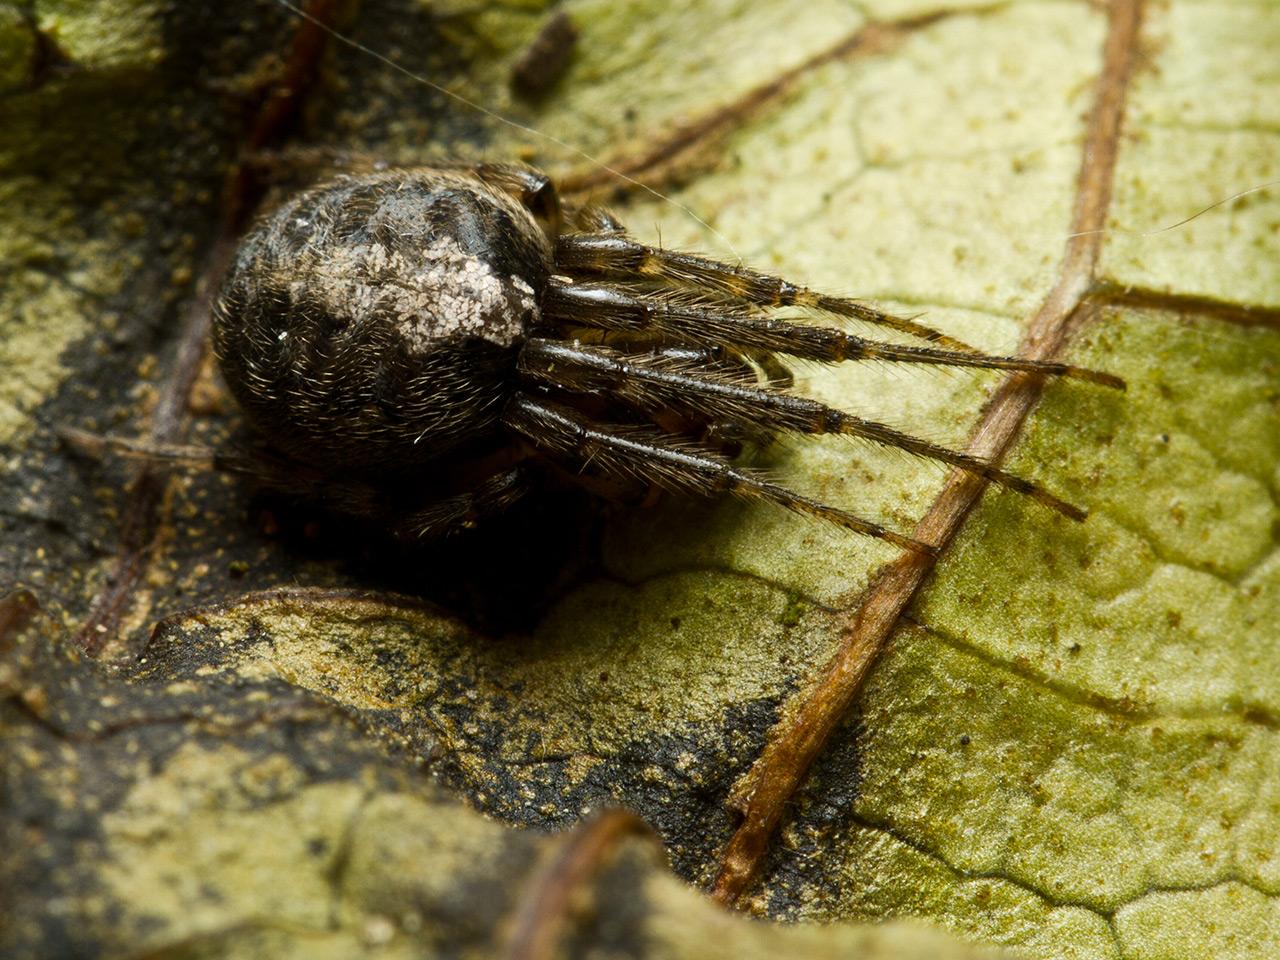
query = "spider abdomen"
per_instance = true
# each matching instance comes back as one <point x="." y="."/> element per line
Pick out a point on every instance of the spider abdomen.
<point x="373" y="323"/>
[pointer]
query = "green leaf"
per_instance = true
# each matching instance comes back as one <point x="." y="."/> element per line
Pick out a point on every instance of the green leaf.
<point x="1068" y="747"/>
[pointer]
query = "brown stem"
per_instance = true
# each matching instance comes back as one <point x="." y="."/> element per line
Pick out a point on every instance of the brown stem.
<point x="541" y="915"/>
<point x="1187" y="304"/>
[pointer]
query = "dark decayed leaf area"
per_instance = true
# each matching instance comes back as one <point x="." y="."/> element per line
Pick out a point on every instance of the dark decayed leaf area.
<point x="231" y="726"/>
<point x="200" y="806"/>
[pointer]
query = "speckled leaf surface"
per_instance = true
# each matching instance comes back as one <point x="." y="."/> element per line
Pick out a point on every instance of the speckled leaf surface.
<point x="239" y="815"/>
<point x="1068" y="747"/>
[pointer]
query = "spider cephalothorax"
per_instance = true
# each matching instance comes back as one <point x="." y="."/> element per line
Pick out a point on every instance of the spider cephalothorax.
<point x="412" y="344"/>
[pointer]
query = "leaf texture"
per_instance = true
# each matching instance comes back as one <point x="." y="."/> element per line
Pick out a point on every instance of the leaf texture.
<point x="1065" y="741"/>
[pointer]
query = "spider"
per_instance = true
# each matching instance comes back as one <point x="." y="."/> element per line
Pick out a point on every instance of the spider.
<point x="413" y="347"/>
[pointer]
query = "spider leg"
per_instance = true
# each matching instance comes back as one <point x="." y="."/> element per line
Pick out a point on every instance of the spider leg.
<point x="778" y="373"/>
<point x="352" y="497"/>
<point x="406" y="519"/>
<point x="531" y="187"/>
<point x="612" y="308"/>
<point x="649" y="384"/>
<point x="97" y="446"/>
<point x="657" y="459"/>
<point x="612" y="254"/>
<point x="747" y="364"/>
<point x="596" y="219"/>
<point x="746" y="367"/>
<point x="462" y="511"/>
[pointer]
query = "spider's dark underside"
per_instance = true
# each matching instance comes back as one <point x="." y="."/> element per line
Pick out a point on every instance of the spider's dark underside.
<point x="414" y="346"/>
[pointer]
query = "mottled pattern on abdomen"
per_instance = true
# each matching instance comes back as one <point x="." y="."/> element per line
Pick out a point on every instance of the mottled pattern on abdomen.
<point x="393" y="304"/>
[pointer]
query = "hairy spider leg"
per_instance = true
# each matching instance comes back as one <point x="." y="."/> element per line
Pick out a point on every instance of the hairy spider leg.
<point x="596" y="219"/>
<point x="531" y="187"/>
<point x="364" y="500"/>
<point x="742" y="364"/>
<point x="658" y="459"/>
<point x="730" y="365"/>
<point x="352" y="497"/>
<point x="602" y="305"/>
<point x="97" y="446"/>
<point x="462" y="511"/>
<point x="651" y="384"/>
<point x="612" y="254"/>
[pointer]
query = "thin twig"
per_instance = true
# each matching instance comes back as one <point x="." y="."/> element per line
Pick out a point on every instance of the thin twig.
<point x="542" y="914"/>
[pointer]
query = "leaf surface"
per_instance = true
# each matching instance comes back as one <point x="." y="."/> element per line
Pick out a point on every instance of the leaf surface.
<point x="1068" y="747"/>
